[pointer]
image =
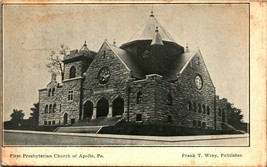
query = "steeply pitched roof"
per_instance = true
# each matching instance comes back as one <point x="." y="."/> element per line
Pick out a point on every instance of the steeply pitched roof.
<point x="147" y="31"/>
<point x="126" y="59"/>
<point x="157" y="38"/>
<point x="182" y="62"/>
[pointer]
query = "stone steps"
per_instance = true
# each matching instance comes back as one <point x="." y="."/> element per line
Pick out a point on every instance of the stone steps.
<point x="99" y="121"/>
<point x="79" y="129"/>
<point x="226" y="126"/>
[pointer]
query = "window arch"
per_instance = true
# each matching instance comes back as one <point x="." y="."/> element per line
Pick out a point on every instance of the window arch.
<point x="46" y="109"/>
<point x="49" y="92"/>
<point x="198" y="60"/>
<point x="195" y="107"/>
<point x="189" y="105"/>
<point x="53" y="91"/>
<point x="50" y="108"/>
<point x="208" y="110"/>
<point x="72" y="72"/>
<point x="204" y="109"/>
<point x="54" y="107"/>
<point x="139" y="97"/>
<point x="199" y="108"/>
<point x="220" y="112"/>
<point x="104" y="54"/>
<point x="169" y="99"/>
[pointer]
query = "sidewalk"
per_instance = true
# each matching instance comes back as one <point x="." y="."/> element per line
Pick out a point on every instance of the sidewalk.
<point x="138" y="137"/>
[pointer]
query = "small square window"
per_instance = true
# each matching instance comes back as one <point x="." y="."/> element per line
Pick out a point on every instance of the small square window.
<point x="203" y="124"/>
<point x="138" y="117"/>
<point x="198" y="124"/>
<point x="194" y="123"/>
<point x="169" y="118"/>
<point x="70" y="95"/>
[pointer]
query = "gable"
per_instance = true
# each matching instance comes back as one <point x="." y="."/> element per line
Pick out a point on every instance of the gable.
<point x="181" y="63"/>
<point x="196" y="66"/>
<point x="106" y="58"/>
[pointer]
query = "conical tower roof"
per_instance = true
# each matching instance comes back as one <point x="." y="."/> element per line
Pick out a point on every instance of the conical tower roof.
<point x="157" y="38"/>
<point x="147" y="31"/>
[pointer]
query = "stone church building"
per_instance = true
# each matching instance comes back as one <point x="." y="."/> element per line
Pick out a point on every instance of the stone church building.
<point x="150" y="79"/>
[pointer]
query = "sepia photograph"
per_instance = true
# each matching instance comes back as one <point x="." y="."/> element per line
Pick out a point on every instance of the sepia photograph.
<point x="150" y="74"/>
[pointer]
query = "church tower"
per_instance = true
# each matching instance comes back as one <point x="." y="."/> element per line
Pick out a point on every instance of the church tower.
<point x="75" y="64"/>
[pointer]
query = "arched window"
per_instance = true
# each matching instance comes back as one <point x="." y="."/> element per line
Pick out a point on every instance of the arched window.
<point x="53" y="91"/>
<point x="198" y="60"/>
<point x="50" y="108"/>
<point x="72" y="72"/>
<point x="208" y="110"/>
<point x="220" y="112"/>
<point x="139" y="97"/>
<point x="169" y="99"/>
<point x="199" y="108"/>
<point x="46" y="109"/>
<point x="54" y="107"/>
<point x="104" y="54"/>
<point x="195" y="107"/>
<point x="49" y="92"/>
<point x="189" y="105"/>
<point x="204" y="109"/>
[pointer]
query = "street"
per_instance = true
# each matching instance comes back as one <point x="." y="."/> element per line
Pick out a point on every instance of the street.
<point x="16" y="137"/>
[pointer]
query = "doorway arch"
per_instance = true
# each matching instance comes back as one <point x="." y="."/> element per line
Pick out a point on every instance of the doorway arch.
<point x="65" y="118"/>
<point x="102" y="108"/>
<point x="117" y="106"/>
<point x="88" y="110"/>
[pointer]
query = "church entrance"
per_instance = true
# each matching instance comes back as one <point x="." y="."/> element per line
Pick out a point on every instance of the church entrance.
<point x="117" y="106"/>
<point x="65" y="118"/>
<point x="102" y="108"/>
<point x="88" y="110"/>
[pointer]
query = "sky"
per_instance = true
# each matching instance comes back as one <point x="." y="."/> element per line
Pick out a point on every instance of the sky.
<point x="31" y="32"/>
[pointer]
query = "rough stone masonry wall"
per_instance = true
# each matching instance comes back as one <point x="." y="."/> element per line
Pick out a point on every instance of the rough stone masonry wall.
<point x="163" y="109"/>
<point x="147" y="107"/>
<point x="186" y="91"/>
<point x="94" y="91"/>
<point x="63" y="105"/>
<point x="44" y="100"/>
<point x="71" y="107"/>
<point x="221" y="104"/>
<point x="79" y="68"/>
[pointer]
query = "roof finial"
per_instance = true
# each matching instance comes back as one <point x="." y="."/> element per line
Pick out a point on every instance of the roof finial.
<point x="186" y="48"/>
<point x="114" y="42"/>
<point x="84" y="43"/>
<point x="152" y="13"/>
<point x="157" y="29"/>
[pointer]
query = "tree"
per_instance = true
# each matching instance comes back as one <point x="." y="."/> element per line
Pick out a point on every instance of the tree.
<point x="55" y="64"/>
<point x="234" y="116"/>
<point x="17" y="117"/>
<point x="35" y="114"/>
